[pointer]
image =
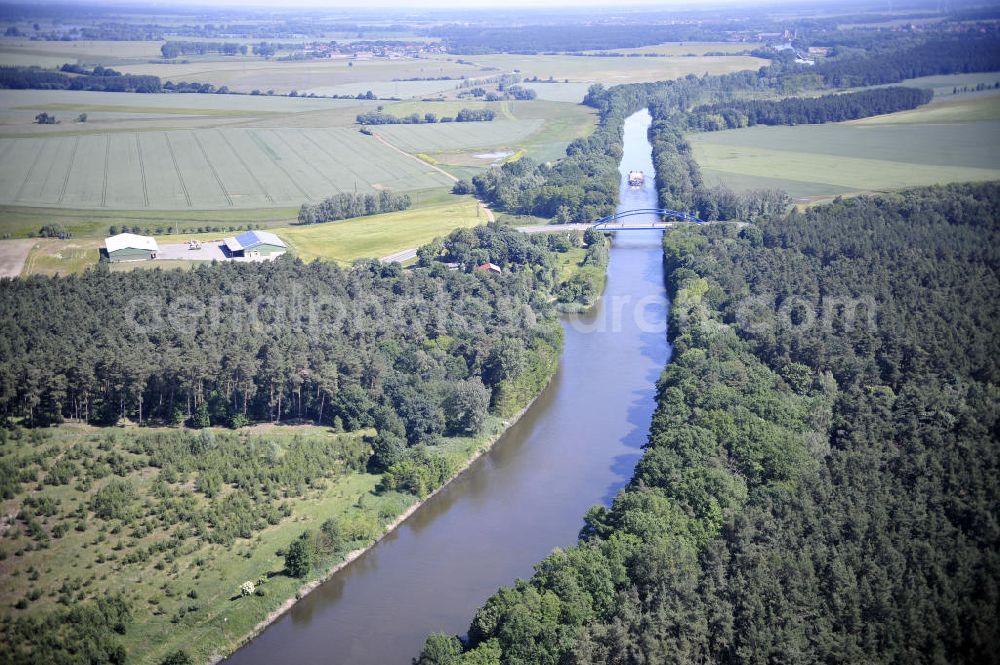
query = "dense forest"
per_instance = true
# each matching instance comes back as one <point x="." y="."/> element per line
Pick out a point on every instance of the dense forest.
<point x="464" y="39"/>
<point x="864" y="441"/>
<point x="887" y="63"/>
<point x="232" y="343"/>
<point x="807" y="110"/>
<point x="345" y="205"/>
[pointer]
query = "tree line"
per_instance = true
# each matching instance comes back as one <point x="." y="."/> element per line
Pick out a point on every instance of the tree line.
<point x="807" y="110"/>
<point x="172" y="49"/>
<point x="346" y="205"/>
<point x="464" y="115"/>
<point x="34" y="78"/>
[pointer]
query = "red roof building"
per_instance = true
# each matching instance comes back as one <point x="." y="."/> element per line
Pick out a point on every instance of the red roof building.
<point x="490" y="267"/>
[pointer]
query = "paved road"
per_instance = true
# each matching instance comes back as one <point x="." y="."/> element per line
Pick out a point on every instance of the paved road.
<point x="400" y="257"/>
<point x="552" y="228"/>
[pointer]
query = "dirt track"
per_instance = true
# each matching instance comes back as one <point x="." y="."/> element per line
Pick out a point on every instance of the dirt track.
<point x="13" y="254"/>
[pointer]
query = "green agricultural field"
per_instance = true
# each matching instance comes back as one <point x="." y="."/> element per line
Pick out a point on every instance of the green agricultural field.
<point x="563" y="123"/>
<point x="10" y="58"/>
<point x="202" y="169"/>
<point x="23" y="222"/>
<point x="176" y="160"/>
<point x="381" y="235"/>
<point x="949" y="109"/>
<point x="948" y="141"/>
<point x="183" y="583"/>
<point x="442" y="108"/>
<point x="387" y="88"/>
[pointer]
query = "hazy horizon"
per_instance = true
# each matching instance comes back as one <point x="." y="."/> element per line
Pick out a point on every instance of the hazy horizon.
<point x="528" y="5"/>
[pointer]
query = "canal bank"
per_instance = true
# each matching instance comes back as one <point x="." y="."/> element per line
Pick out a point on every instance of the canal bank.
<point x="575" y="446"/>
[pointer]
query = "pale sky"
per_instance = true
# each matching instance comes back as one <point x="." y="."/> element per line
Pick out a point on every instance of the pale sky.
<point x="452" y="4"/>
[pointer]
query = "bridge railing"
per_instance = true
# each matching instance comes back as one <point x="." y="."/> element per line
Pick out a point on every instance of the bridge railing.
<point x="661" y="212"/>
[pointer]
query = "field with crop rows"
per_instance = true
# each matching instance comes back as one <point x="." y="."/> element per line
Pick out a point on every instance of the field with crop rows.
<point x="117" y="112"/>
<point x="202" y="169"/>
<point x="454" y="136"/>
<point x="138" y="103"/>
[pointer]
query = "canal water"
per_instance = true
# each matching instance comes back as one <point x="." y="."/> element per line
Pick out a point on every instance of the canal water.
<point x="576" y="446"/>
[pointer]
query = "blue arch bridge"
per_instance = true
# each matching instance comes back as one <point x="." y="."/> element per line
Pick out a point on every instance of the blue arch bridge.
<point x="624" y="220"/>
<point x="655" y="218"/>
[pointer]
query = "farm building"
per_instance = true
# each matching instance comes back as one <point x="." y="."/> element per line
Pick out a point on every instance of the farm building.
<point x="490" y="267"/>
<point x="131" y="247"/>
<point x="255" y="244"/>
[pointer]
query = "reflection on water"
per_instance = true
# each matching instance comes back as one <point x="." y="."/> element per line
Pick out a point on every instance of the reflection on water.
<point x="576" y="446"/>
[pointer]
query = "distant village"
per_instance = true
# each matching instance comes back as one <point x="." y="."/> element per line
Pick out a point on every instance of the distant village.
<point x="366" y="50"/>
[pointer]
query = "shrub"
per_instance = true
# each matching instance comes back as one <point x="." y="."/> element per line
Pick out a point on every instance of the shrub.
<point x="179" y="657"/>
<point x="114" y="500"/>
<point x="463" y="187"/>
<point x="299" y="557"/>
